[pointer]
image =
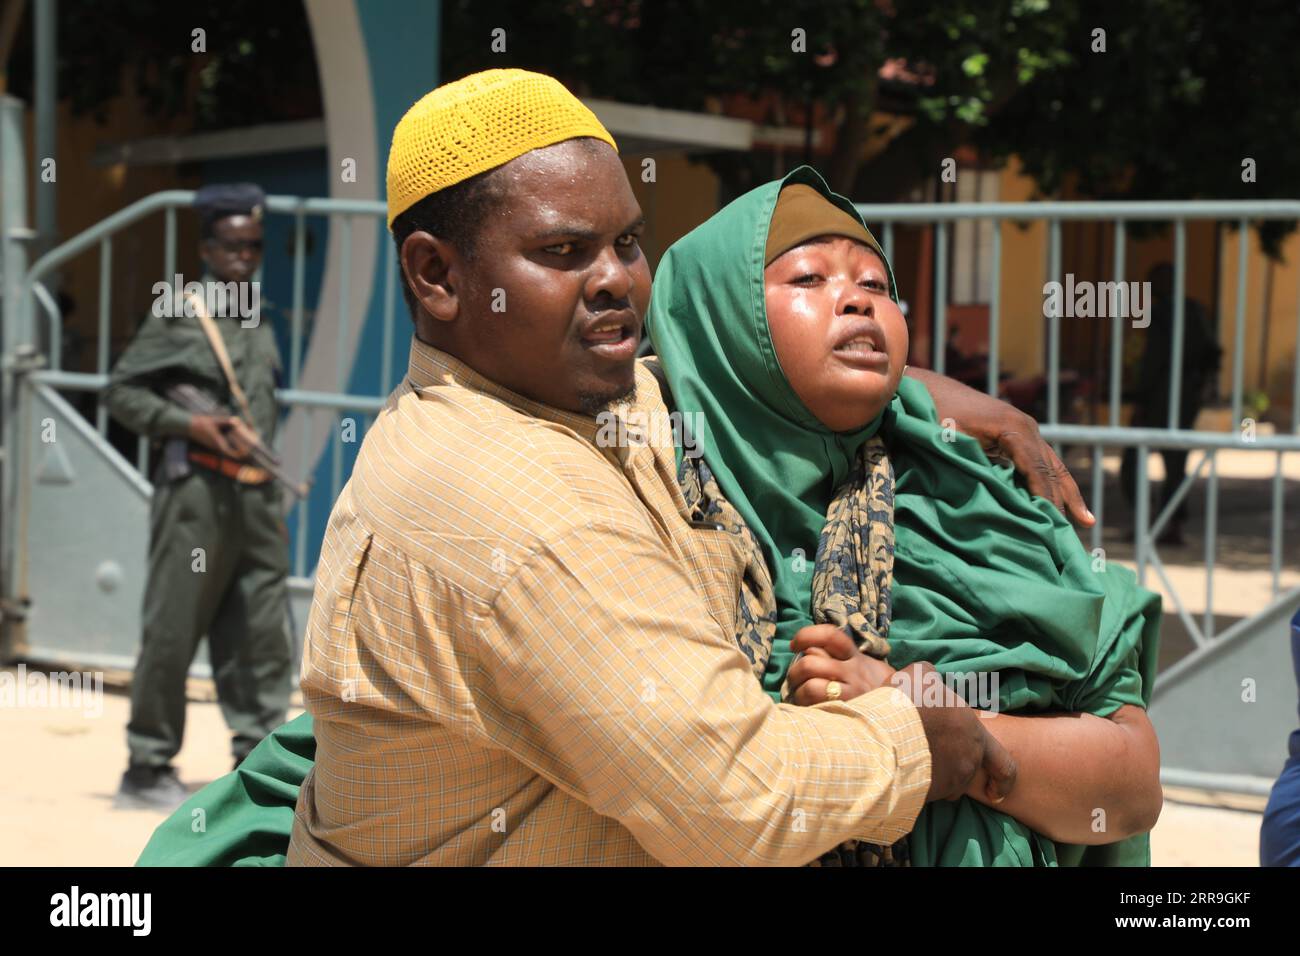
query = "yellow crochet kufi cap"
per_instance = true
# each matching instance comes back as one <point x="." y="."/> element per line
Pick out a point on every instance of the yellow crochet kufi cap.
<point x="478" y="123"/>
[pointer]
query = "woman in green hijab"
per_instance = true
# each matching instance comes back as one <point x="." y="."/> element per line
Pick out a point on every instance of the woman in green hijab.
<point x="782" y="336"/>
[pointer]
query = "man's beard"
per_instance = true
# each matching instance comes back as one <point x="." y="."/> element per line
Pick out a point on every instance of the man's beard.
<point x="592" y="403"/>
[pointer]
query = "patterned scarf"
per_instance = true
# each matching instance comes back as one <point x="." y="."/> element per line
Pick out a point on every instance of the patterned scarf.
<point x="852" y="577"/>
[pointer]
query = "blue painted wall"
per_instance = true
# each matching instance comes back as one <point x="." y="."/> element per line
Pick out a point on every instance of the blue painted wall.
<point x="402" y="39"/>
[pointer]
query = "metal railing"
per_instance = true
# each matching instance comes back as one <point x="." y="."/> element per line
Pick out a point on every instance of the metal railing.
<point x="941" y="216"/>
<point x="100" y="238"/>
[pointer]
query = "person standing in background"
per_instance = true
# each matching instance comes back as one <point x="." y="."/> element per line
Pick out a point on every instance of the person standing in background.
<point x="218" y="546"/>
<point x="1200" y="362"/>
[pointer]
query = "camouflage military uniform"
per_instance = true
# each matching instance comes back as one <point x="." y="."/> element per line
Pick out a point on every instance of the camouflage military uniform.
<point x="218" y="554"/>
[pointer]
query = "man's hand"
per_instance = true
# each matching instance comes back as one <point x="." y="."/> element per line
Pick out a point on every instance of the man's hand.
<point x="241" y="435"/>
<point x="225" y="434"/>
<point x="960" y="746"/>
<point x="1006" y="432"/>
<point x="830" y="655"/>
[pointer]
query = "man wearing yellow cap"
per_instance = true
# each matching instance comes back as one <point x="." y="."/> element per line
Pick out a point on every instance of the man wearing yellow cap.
<point x="520" y="649"/>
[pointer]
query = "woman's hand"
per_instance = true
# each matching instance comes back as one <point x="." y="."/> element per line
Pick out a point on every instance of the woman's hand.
<point x="829" y="655"/>
<point x="959" y="744"/>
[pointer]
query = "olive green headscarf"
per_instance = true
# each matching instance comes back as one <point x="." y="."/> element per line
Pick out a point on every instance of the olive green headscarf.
<point x="986" y="577"/>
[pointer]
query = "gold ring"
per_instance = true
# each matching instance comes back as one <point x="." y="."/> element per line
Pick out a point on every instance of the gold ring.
<point x="833" y="690"/>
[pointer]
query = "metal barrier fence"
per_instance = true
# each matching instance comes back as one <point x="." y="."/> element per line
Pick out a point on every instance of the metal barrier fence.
<point x="31" y="295"/>
<point x="99" y="238"/>
<point x="941" y="216"/>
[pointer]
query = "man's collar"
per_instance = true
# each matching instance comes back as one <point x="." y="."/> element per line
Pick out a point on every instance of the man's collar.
<point x="430" y="367"/>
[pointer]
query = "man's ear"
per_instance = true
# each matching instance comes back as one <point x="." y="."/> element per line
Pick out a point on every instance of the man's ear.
<point x="203" y="254"/>
<point x="432" y="269"/>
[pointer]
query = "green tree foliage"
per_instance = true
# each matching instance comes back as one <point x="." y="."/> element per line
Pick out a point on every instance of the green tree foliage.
<point x="1183" y="93"/>
<point x="967" y="55"/>
<point x="258" y="67"/>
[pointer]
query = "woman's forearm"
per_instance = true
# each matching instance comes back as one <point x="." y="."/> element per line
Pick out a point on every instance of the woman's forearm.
<point x="1082" y="779"/>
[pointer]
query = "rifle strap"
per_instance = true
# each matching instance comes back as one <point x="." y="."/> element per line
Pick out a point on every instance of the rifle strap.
<point x="218" y="345"/>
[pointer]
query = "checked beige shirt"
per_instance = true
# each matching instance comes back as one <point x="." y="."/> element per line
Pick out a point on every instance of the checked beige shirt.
<point x="520" y="652"/>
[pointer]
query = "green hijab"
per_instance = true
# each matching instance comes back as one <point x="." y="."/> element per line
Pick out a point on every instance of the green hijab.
<point x="986" y="578"/>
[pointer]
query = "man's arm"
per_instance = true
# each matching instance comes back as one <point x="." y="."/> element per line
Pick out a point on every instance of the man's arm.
<point x="610" y="679"/>
<point x="129" y="397"/>
<point x="1071" y="766"/>
<point x="1005" y="430"/>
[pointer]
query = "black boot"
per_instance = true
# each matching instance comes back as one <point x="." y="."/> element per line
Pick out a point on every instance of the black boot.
<point x="150" y="788"/>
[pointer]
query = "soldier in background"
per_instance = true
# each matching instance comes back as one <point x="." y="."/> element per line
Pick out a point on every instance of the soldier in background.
<point x="218" y="555"/>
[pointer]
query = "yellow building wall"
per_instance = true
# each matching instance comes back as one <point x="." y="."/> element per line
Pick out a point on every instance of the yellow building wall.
<point x="1024" y="270"/>
<point x="1272" y="291"/>
<point x="682" y="196"/>
<point x="1269" y="354"/>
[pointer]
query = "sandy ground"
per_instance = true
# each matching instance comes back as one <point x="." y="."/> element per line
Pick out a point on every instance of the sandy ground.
<point x="63" y="766"/>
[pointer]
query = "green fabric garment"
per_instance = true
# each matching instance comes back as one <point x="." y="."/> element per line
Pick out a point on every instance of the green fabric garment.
<point x="247" y="815"/>
<point x="986" y="577"/>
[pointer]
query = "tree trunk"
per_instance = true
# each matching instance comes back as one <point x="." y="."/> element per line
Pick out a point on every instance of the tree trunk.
<point x="850" y="138"/>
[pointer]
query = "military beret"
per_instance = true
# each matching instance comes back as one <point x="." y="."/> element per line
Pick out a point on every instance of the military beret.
<point x="228" y="199"/>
